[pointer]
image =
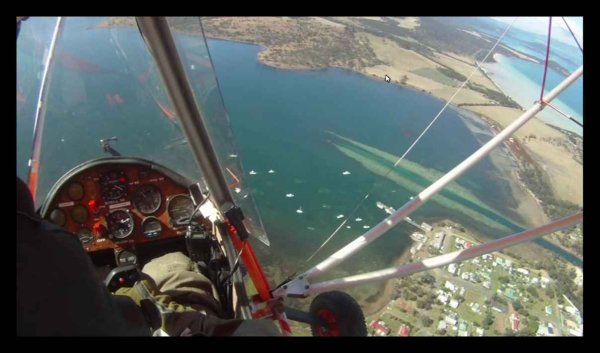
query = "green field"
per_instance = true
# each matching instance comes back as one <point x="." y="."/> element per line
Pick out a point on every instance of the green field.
<point x="475" y="297"/>
<point x="465" y="313"/>
<point x="435" y="75"/>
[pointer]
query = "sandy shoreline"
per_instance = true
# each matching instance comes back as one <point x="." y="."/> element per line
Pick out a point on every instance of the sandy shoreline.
<point x="286" y="45"/>
<point x="567" y="180"/>
<point x="500" y="116"/>
<point x="384" y="298"/>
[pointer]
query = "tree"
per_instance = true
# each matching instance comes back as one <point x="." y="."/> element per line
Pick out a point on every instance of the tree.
<point x="488" y="320"/>
<point x="532" y="328"/>
<point x="517" y="305"/>
<point x="534" y="293"/>
<point x="524" y="324"/>
<point x="426" y="321"/>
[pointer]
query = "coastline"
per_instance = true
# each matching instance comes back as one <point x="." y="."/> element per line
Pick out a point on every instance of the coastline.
<point x="493" y="114"/>
<point x="504" y="67"/>
<point x="522" y="148"/>
<point x="384" y="298"/>
<point x="536" y="141"/>
<point x="491" y="118"/>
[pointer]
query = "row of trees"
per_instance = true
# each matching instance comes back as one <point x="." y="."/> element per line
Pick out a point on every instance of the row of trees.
<point x="494" y="95"/>
<point x="563" y="282"/>
<point x="451" y="73"/>
<point x="536" y="180"/>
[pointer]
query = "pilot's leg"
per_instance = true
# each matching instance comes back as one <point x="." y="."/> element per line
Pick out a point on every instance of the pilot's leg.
<point x="176" y="278"/>
<point x="175" y="275"/>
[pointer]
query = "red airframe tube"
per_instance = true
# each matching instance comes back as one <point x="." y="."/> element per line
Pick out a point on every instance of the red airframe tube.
<point x="256" y="274"/>
<point x="254" y="269"/>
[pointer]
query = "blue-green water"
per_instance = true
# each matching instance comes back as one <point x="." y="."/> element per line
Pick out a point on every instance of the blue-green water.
<point x="280" y="119"/>
<point x="567" y="55"/>
<point x="522" y="79"/>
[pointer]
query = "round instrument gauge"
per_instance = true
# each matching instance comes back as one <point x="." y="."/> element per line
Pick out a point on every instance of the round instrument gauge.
<point x="147" y="199"/>
<point x="180" y="209"/>
<point x="80" y="214"/>
<point x="75" y="191"/>
<point x="85" y="236"/>
<point x="120" y="223"/>
<point x="113" y="185"/>
<point x="151" y="227"/>
<point x="58" y="217"/>
<point x="126" y="257"/>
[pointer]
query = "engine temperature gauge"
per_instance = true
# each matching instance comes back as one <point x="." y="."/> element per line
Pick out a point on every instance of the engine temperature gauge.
<point x="151" y="227"/>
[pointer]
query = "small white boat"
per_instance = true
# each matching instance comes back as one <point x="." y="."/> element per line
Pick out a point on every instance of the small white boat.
<point x="348" y="227"/>
<point x="271" y="171"/>
<point x="299" y="210"/>
<point x="340" y="216"/>
<point x="346" y="173"/>
<point x="252" y="172"/>
<point x="358" y="219"/>
<point x="237" y="190"/>
<point x="289" y="195"/>
<point x="366" y="227"/>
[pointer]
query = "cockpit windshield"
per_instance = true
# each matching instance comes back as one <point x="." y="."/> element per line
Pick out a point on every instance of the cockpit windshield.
<point x="104" y="96"/>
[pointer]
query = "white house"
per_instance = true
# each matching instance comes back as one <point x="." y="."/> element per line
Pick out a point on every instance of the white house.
<point x="452" y="268"/>
<point x="449" y="285"/>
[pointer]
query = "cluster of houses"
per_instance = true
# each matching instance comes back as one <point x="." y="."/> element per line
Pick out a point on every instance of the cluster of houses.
<point x="451" y="294"/>
<point x="572" y="318"/>
<point x="379" y="328"/>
